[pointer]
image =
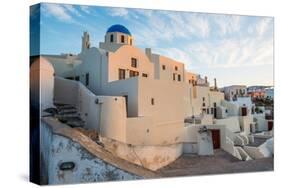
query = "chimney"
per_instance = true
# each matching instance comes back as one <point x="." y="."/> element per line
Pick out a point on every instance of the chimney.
<point x="85" y="41"/>
<point x="148" y="53"/>
<point x="215" y="80"/>
<point x="206" y="79"/>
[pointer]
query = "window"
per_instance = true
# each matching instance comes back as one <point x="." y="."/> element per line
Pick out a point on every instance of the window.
<point x="69" y="78"/>
<point x="179" y="78"/>
<point x="77" y="78"/>
<point x="131" y="41"/>
<point x="212" y="110"/>
<point x="134" y="62"/>
<point x="111" y="38"/>
<point x="163" y="67"/>
<point x="203" y="98"/>
<point x="122" y="38"/>
<point x="133" y="73"/>
<point x="174" y="76"/>
<point x="215" y="105"/>
<point x="208" y="111"/>
<point x="203" y="104"/>
<point x="87" y="79"/>
<point x="152" y="101"/>
<point x="122" y="74"/>
<point x="176" y="68"/>
<point x="144" y="75"/>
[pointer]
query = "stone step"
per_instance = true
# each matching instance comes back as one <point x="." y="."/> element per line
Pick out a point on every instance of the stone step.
<point x="67" y="111"/>
<point x="68" y="115"/>
<point x="66" y="107"/>
<point x="75" y="123"/>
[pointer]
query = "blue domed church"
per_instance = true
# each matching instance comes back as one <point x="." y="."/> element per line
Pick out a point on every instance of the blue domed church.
<point x="116" y="36"/>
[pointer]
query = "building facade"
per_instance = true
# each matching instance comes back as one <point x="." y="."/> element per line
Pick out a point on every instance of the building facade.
<point x="142" y="99"/>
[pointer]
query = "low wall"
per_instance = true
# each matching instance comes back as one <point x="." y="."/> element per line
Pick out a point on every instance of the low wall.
<point x="104" y="114"/>
<point x="150" y="157"/>
<point x="66" y="91"/>
<point x="245" y="122"/>
<point x="190" y="148"/>
<point x="61" y="144"/>
<point x="262" y="124"/>
<point x="144" y="131"/>
<point x="231" y="122"/>
<point x="138" y="130"/>
<point x="264" y="150"/>
<point x="113" y="117"/>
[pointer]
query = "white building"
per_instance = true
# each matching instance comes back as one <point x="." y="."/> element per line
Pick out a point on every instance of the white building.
<point x="146" y="100"/>
<point x="234" y="91"/>
<point x="269" y="93"/>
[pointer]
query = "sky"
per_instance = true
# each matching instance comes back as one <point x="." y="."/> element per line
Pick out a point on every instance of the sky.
<point x="232" y="48"/>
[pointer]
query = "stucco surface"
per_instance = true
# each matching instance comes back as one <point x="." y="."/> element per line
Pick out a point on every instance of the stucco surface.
<point x="60" y="143"/>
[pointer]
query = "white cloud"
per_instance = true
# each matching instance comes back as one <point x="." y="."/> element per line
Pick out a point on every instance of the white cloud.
<point x="230" y="53"/>
<point x="57" y="11"/>
<point x="118" y="12"/>
<point x="85" y="9"/>
<point x="71" y="9"/>
<point x="227" y="24"/>
<point x="165" y="26"/>
<point x="175" y="53"/>
<point x="263" y="26"/>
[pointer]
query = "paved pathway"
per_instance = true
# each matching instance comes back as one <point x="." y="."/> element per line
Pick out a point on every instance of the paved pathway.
<point x="220" y="163"/>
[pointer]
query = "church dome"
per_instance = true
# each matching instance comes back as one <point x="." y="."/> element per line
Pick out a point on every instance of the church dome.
<point x="118" y="28"/>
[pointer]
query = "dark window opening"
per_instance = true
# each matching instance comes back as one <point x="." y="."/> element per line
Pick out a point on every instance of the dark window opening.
<point x="163" y="67"/>
<point x="179" y="78"/>
<point x="134" y="62"/>
<point x="126" y="101"/>
<point x="215" y="105"/>
<point x="144" y="75"/>
<point x="133" y="73"/>
<point x="131" y="41"/>
<point x="77" y="78"/>
<point x="122" y="38"/>
<point x="152" y="101"/>
<point x="203" y="98"/>
<point x="122" y="74"/>
<point x="203" y="104"/>
<point x="174" y="76"/>
<point x="176" y="68"/>
<point x="67" y="166"/>
<point x="111" y="38"/>
<point x="69" y="78"/>
<point x="87" y="79"/>
<point x="208" y="111"/>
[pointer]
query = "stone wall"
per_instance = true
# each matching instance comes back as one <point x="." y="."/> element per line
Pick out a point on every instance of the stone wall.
<point x="85" y="160"/>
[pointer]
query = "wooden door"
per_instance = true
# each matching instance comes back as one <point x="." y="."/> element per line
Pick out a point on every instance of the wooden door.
<point x="216" y="138"/>
<point x="244" y="111"/>
<point x="270" y="125"/>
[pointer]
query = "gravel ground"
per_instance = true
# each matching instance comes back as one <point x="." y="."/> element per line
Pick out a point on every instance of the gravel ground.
<point x="220" y="163"/>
